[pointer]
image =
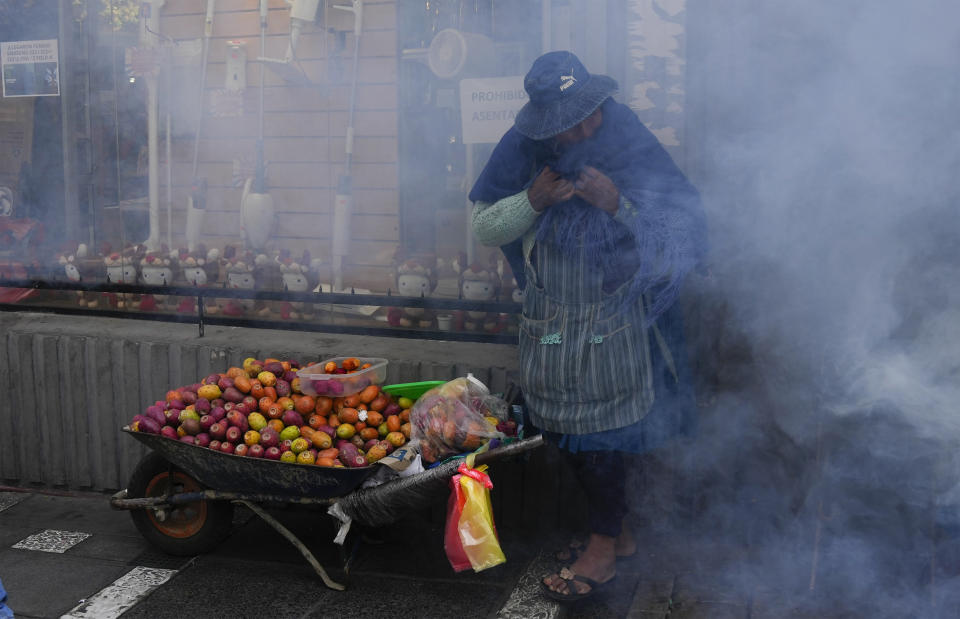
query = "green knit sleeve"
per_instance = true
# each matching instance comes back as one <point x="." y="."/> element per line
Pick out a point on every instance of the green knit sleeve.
<point x="503" y="221"/>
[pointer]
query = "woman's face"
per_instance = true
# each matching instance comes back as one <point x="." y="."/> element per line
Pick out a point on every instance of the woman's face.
<point x="583" y="131"/>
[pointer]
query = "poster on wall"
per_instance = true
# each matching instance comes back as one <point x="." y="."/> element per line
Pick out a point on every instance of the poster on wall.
<point x="30" y="68"/>
<point x="488" y="106"/>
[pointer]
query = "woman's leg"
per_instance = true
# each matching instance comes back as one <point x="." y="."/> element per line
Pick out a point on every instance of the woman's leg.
<point x="601" y="475"/>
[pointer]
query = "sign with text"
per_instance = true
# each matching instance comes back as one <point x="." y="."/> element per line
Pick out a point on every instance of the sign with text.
<point x="30" y="68"/>
<point x="488" y="106"/>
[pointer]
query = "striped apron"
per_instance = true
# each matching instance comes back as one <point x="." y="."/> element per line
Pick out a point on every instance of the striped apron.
<point x="585" y="368"/>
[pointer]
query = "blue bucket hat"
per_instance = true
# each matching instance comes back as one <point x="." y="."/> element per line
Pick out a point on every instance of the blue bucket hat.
<point x="562" y="94"/>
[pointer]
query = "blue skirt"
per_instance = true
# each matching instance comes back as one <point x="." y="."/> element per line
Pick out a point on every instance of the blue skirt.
<point x="674" y="410"/>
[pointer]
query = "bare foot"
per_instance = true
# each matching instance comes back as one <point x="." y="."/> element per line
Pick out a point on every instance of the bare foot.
<point x="597" y="562"/>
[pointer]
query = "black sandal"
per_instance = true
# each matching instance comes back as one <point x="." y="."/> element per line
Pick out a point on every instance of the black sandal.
<point x="572" y="594"/>
<point x="571" y="552"/>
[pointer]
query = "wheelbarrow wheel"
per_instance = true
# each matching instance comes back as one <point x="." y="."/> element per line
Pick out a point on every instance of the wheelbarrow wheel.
<point x="185" y="530"/>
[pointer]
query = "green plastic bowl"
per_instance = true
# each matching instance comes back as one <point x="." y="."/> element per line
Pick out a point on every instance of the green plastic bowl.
<point x="412" y="390"/>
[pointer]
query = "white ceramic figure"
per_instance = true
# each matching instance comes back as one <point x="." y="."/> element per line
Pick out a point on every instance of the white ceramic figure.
<point x="156" y="270"/>
<point x="479" y="284"/>
<point x="415" y="278"/>
<point x="122" y="269"/>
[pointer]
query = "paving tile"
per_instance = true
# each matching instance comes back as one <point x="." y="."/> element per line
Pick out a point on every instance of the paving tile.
<point x="651" y="599"/>
<point x="111" y="601"/>
<point x="66" y="580"/>
<point x="52" y="540"/>
<point x="9" y="499"/>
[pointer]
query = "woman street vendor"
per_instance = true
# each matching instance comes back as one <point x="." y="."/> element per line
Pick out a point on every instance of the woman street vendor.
<point x="601" y="228"/>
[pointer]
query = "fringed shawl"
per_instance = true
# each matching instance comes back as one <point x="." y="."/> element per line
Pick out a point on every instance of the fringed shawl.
<point x="664" y="233"/>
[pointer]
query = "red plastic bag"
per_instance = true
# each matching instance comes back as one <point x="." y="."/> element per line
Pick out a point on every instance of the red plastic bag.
<point x="471" y="537"/>
<point x="451" y="538"/>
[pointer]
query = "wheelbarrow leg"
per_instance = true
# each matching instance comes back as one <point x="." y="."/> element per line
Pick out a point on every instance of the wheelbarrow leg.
<point x="284" y="531"/>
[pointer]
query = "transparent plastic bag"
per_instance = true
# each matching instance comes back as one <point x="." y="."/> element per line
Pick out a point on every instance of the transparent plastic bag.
<point x="456" y="417"/>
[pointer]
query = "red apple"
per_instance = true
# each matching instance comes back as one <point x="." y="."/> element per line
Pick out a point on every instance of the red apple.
<point x="233" y="434"/>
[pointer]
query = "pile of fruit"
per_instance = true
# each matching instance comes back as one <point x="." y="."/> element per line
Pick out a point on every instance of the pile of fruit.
<point x="259" y="411"/>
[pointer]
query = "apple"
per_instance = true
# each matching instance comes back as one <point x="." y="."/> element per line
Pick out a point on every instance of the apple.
<point x="256" y="451"/>
<point x="202" y="439"/>
<point x="250" y="402"/>
<point x="169" y="432"/>
<point x="241" y="450"/>
<point x="206" y="421"/>
<point x="285" y="445"/>
<point x="237" y="419"/>
<point x="214" y="445"/>
<point x="226" y="447"/>
<point x="272" y="453"/>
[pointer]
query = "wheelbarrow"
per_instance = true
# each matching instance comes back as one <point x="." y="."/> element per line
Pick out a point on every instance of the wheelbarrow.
<point x="181" y="496"/>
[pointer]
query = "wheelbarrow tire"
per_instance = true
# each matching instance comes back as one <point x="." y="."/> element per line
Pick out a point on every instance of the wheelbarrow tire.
<point x="186" y="530"/>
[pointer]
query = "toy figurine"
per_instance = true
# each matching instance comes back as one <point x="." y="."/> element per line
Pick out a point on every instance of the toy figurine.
<point x="478" y="283"/>
<point x="415" y="277"/>
<point x="297" y="278"/>
<point x="240" y="276"/>
<point x="79" y="266"/>
<point x="157" y="269"/>
<point x="199" y="268"/>
<point x="122" y="269"/>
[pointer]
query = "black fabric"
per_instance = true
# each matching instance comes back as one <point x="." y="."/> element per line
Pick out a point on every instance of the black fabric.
<point x="603" y="478"/>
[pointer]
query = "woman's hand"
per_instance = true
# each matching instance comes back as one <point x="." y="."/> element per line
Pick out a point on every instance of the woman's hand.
<point x="548" y="189"/>
<point x="596" y="188"/>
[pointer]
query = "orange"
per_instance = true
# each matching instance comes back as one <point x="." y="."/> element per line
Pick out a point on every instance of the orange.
<point x="264" y="403"/>
<point x="393" y="423"/>
<point x="349" y="415"/>
<point x="324" y="405"/>
<point x="286" y="403"/>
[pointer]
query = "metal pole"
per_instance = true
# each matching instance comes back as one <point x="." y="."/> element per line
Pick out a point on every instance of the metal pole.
<point x="70" y="203"/>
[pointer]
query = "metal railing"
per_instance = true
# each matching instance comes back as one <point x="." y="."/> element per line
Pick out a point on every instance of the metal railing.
<point x="328" y="299"/>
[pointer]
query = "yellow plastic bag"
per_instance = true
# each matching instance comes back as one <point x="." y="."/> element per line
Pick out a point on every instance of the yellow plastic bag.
<point x="477" y="532"/>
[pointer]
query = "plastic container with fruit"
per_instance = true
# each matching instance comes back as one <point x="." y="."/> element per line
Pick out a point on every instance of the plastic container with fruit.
<point x="337" y="377"/>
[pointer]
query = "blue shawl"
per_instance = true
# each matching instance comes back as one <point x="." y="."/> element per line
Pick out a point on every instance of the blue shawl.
<point x="662" y="240"/>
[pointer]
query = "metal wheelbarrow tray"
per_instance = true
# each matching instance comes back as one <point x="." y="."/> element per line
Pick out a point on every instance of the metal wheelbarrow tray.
<point x="181" y="496"/>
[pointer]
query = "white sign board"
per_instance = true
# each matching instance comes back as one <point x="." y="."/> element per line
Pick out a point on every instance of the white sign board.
<point x="30" y="68"/>
<point x="488" y="107"/>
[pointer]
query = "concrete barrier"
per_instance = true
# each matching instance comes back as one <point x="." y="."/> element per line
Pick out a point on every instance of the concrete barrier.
<point x="69" y="383"/>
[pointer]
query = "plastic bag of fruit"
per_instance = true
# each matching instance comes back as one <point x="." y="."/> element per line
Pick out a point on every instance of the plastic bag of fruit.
<point x="456" y="417"/>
